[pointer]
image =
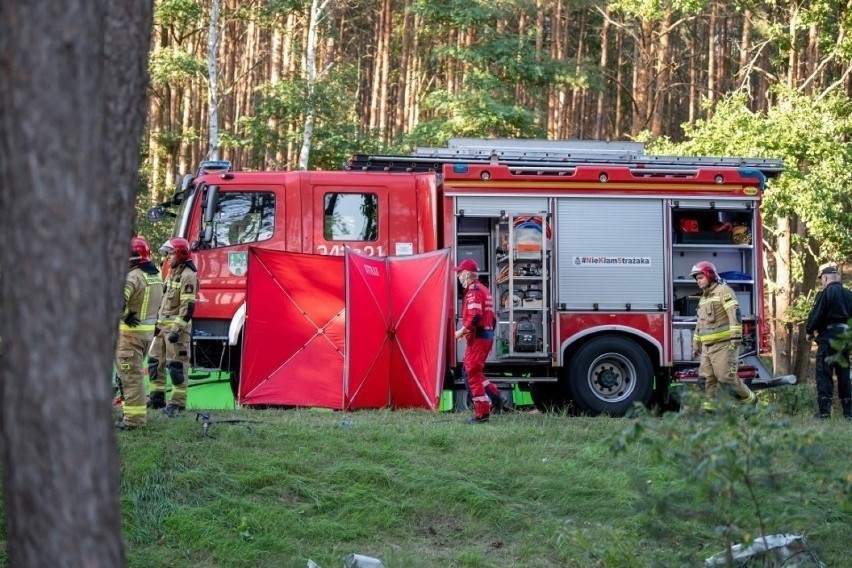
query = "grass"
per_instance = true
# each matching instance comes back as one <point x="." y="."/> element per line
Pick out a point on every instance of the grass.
<point x="423" y="489"/>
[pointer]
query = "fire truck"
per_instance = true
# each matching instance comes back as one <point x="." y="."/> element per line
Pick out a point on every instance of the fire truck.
<point x="586" y="246"/>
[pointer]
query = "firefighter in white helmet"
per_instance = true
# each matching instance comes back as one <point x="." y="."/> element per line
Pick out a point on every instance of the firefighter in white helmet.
<point x="717" y="338"/>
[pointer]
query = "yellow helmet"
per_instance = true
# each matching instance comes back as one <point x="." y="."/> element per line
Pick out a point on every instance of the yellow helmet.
<point x="740" y="235"/>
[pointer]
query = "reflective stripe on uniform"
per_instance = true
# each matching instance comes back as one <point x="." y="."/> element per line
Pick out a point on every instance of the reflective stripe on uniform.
<point x="139" y="328"/>
<point x="713" y="334"/>
<point x="132" y="410"/>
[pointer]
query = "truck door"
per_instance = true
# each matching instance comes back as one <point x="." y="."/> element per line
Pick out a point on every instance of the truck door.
<point x="243" y="216"/>
<point x="347" y="216"/>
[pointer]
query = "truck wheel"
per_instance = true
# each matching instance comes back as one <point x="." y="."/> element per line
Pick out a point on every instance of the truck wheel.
<point x="547" y="397"/>
<point x="609" y="374"/>
<point x="235" y="384"/>
<point x="234" y="358"/>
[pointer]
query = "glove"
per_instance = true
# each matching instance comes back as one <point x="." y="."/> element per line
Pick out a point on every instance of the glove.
<point x="696" y="351"/>
<point x="809" y="337"/>
<point x="131" y="319"/>
<point x="173" y="337"/>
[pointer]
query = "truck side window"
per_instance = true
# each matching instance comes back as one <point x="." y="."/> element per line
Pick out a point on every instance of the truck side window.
<point x="243" y="217"/>
<point x="351" y="217"/>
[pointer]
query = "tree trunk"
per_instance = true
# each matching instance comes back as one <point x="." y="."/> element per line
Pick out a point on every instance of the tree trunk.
<point x="599" y="111"/>
<point x="72" y="108"/>
<point x="310" y="111"/>
<point x="782" y="298"/>
<point x="657" y="108"/>
<point x="213" y="83"/>
<point x="810" y="274"/>
<point x="642" y="68"/>
<point x="711" y="52"/>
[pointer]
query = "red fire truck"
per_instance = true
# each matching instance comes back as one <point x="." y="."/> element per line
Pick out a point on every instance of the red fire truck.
<point x="587" y="248"/>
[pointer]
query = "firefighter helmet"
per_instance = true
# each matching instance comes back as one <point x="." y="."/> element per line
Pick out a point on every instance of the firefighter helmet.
<point x="705" y="268"/>
<point x="740" y="235"/>
<point x="139" y="250"/>
<point x="178" y="246"/>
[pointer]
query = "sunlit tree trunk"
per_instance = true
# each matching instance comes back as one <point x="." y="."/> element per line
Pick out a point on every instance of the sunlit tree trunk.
<point x="782" y="299"/>
<point x="311" y="75"/>
<point x="711" y="52"/>
<point x="658" y="111"/>
<point x="602" y="94"/>
<point x="213" y="82"/>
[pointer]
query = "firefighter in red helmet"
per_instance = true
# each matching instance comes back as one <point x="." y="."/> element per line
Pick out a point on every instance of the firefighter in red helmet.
<point x="143" y="292"/>
<point x="717" y="338"/>
<point x="477" y="326"/>
<point x="170" y="347"/>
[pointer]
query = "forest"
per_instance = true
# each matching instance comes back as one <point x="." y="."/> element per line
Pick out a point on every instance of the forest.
<point x="240" y="80"/>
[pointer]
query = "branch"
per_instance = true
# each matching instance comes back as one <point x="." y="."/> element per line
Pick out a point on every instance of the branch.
<point x="751" y="66"/>
<point x="836" y="84"/>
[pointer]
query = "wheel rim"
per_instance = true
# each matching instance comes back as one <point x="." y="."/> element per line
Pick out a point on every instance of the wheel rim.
<point x="612" y="377"/>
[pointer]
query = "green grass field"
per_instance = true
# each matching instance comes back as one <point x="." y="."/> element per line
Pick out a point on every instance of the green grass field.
<point x="416" y="488"/>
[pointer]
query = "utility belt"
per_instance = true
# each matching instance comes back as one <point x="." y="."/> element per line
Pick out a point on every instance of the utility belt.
<point x="484" y="333"/>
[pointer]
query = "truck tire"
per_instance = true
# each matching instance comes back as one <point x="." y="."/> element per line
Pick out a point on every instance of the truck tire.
<point x="234" y="359"/>
<point x="609" y="374"/>
<point x="547" y="397"/>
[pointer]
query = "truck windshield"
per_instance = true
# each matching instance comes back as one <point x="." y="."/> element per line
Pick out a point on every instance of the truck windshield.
<point x="243" y="217"/>
<point x="351" y="217"/>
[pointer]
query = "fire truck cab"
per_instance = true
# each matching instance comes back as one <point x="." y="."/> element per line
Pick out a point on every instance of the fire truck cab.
<point x="586" y="247"/>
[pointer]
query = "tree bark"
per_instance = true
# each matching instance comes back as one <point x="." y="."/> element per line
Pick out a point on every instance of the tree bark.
<point x="213" y="82"/>
<point x="311" y="70"/>
<point x="782" y="299"/>
<point x="72" y="107"/>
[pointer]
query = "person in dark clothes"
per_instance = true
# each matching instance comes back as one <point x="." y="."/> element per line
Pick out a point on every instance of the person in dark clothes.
<point x="829" y="318"/>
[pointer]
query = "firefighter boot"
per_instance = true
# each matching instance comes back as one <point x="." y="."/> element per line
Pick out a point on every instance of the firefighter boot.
<point x="172" y="410"/>
<point x="481" y="412"/>
<point x="157" y="399"/>
<point x="121" y="425"/>
<point x="846" y="403"/>
<point x="824" y="408"/>
<point x="750" y="399"/>
<point x="498" y="403"/>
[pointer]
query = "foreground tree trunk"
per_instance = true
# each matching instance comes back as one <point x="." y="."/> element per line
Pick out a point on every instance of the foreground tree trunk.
<point x="72" y="107"/>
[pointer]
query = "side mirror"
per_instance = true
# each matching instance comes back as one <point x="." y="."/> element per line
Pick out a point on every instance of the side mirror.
<point x="156" y="213"/>
<point x="187" y="181"/>
<point x="207" y="237"/>
<point x="210" y="203"/>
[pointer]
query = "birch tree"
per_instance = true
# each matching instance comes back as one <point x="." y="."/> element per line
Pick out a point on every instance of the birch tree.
<point x="213" y="82"/>
<point x="317" y="11"/>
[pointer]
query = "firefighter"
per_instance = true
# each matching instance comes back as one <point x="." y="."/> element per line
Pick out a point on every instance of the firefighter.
<point x="143" y="292"/>
<point x="828" y="319"/>
<point x="170" y="347"/>
<point x="717" y="338"/>
<point x="477" y="326"/>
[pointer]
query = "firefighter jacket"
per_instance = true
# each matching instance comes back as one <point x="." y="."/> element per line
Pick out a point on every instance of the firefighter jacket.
<point x="181" y="287"/>
<point x="143" y="293"/>
<point x="719" y="316"/>
<point x="478" y="311"/>
<point x="832" y="309"/>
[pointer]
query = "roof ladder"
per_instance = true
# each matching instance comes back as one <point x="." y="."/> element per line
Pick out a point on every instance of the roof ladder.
<point x="553" y="157"/>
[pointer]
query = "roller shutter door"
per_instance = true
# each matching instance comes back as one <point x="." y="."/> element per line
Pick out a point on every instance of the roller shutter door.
<point x="610" y="253"/>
